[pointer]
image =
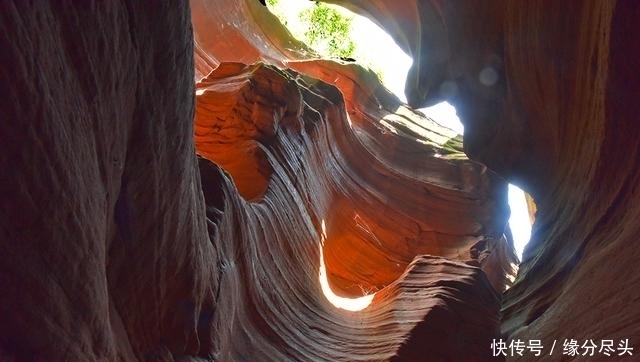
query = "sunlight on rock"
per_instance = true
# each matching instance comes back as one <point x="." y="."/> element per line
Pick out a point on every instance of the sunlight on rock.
<point x="350" y="304"/>
<point x="376" y="50"/>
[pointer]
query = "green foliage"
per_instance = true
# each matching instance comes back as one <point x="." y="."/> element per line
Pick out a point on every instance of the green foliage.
<point x="272" y="2"/>
<point x="328" y="31"/>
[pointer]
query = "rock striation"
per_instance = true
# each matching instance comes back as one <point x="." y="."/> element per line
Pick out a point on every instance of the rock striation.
<point x="557" y="121"/>
<point x="179" y="180"/>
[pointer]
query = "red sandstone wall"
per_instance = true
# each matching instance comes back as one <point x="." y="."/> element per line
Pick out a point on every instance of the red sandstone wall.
<point x="118" y="243"/>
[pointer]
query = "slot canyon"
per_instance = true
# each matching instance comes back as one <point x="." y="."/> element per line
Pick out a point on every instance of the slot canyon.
<point x="179" y="177"/>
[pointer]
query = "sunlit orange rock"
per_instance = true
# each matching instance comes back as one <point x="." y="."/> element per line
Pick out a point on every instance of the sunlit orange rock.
<point x="328" y="186"/>
<point x="179" y="183"/>
<point x="560" y="120"/>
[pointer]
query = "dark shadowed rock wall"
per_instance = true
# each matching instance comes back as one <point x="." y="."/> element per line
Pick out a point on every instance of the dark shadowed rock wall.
<point x="102" y="219"/>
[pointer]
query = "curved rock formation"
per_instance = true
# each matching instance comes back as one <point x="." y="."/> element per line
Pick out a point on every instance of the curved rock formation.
<point x="129" y="233"/>
<point x="557" y="121"/>
<point x="315" y="193"/>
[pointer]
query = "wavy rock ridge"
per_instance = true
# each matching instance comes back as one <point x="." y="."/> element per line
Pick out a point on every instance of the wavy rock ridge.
<point x="557" y="122"/>
<point x="308" y="154"/>
<point x="119" y="243"/>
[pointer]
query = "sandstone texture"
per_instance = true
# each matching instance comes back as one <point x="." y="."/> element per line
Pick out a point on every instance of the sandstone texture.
<point x="178" y="179"/>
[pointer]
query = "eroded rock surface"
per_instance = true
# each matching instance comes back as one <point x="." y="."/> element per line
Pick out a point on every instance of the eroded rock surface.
<point x="111" y="252"/>
<point x="561" y="122"/>
<point x="104" y="252"/>
<point x="143" y="218"/>
<point x="311" y="197"/>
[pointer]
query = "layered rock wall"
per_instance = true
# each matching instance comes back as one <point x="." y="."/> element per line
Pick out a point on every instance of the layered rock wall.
<point x="560" y="122"/>
<point x="110" y="251"/>
<point x="143" y="218"/>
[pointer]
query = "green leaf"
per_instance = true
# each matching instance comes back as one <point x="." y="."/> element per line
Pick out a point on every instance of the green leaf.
<point x="328" y="31"/>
